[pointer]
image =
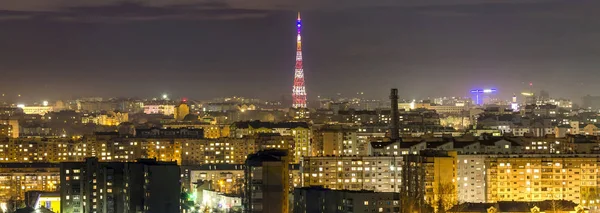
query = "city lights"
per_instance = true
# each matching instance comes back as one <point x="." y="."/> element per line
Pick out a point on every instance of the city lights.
<point x="197" y="119"/>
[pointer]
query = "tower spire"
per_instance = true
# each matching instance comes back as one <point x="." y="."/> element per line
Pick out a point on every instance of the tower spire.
<point x="299" y="91"/>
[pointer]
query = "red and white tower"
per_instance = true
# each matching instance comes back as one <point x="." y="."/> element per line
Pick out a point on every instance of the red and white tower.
<point x="299" y="92"/>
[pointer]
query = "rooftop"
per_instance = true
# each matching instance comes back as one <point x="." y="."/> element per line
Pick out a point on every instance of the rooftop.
<point x="270" y="125"/>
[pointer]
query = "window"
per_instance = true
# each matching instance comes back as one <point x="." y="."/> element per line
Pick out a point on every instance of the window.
<point x="366" y="203"/>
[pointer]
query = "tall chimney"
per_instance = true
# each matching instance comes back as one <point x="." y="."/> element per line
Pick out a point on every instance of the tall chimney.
<point x="394" y="128"/>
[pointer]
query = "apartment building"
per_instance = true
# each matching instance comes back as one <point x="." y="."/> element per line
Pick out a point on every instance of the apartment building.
<point x="300" y="131"/>
<point x="376" y="173"/>
<point x="18" y="178"/>
<point x="142" y="186"/>
<point x="542" y="177"/>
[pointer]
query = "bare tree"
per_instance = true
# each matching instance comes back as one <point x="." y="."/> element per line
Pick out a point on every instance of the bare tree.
<point x="556" y="205"/>
<point x="579" y="209"/>
<point x="445" y="197"/>
<point x="414" y="203"/>
<point x="410" y="204"/>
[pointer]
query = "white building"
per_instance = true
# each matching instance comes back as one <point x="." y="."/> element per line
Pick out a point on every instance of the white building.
<point x="377" y="173"/>
<point x="224" y="176"/>
<point x="40" y="110"/>
<point x="448" y="109"/>
<point x="165" y="109"/>
<point x="217" y="200"/>
<point x="471" y="178"/>
<point x="520" y="131"/>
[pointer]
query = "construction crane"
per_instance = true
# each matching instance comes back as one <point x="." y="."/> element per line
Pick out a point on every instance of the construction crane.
<point x="479" y="92"/>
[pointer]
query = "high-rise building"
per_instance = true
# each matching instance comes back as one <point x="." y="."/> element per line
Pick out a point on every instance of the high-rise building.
<point x="267" y="182"/>
<point x="336" y="140"/>
<point x="471" y="178"/>
<point x="102" y="187"/>
<point x="300" y="131"/>
<point x="430" y="176"/>
<point x="299" y="91"/>
<point x="539" y="177"/>
<point x="377" y="173"/>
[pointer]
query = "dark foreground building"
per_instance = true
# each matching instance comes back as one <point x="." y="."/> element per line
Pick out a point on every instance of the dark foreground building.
<point x="317" y="199"/>
<point x="267" y="182"/>
<point x="144" y="186"/>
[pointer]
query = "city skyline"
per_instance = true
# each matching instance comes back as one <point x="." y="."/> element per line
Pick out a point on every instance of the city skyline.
<point x="224" y="49"/>
<point x="189" y="106"/>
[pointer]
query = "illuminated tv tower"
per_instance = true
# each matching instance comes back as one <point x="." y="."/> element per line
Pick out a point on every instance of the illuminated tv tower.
<point x="299" y="92"/>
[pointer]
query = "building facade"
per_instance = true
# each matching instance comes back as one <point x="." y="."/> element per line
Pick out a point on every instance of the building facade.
<point x="336" y="140"/>
<point x="165" y="109"/>
<point x="18" y="178"/>
<point x="539" y="177"/>
<point x="141" y="186"/>
<point x="376" y="173"/>
<point x="267" y="182"/>
<point x="9" y="128"/>
<point x="431" y="177"/>
<point x="300" y="131"/>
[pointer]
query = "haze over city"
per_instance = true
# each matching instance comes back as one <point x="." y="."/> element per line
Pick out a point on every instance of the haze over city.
<point x="206" y="49"/>
<point x="299" y="106"/>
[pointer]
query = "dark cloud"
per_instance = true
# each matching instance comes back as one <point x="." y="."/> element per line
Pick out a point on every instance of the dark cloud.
<point x="131" y="11"/>
<point x="114" y="11"/>
<point x="204" y="49"/>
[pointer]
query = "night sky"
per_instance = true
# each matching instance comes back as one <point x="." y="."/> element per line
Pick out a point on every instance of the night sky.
<point x="206" y="49"/>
